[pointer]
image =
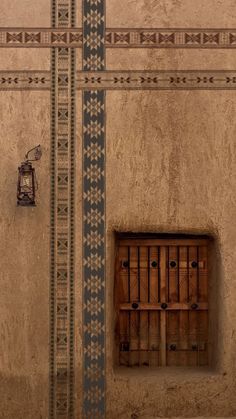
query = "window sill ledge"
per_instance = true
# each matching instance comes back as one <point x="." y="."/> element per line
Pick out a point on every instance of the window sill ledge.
<point x="162" y="373"/>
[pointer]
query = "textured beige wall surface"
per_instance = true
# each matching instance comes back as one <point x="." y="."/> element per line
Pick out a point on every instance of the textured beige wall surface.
<point x="24" y="249"/>
<point x="170" y="167"/>
<point x="174" y="156"/>
<point x="24" y="59"/>
<point x="171" y="13"/>
<point x="25" y="13"/>
<point x="31" y="13"/>
<point x="170" y="59"/>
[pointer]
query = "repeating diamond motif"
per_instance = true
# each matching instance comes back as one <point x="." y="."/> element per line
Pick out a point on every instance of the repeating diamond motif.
<point x="93" y="19"/>
<point x="94" y="328"/>
<point x="94" y="216"/>
<point x="93" y="41"/>
<point x="94" y="195"/>
<point x="94" y="371"/>
<point x="93" y="239"/>
<point x="94" y="151"/>
<point x="94" y="129"/>
<point x="94" y="285"/>
<point x="94" y="173"/>
<point x="94" y="107"/>
<point x="94" y="262"/>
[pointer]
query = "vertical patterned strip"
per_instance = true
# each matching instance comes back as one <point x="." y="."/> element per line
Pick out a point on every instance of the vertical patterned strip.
<point x="62" y="220"/>
<point x="52" y="239"/>
<point x="72" y="211"/>
<point x="94" y="216"/>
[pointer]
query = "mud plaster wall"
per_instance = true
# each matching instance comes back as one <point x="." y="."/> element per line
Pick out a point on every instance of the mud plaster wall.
<point x="171" y="176"/>
<point x="170" y="166"/>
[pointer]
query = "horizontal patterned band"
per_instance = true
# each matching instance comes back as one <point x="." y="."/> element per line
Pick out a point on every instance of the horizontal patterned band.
<point x="157" y="80"/>
<point x="120" y="38"/>
<point x="171" y="38"/>
<point x="123" y="80"/>
<point x="25" y="80"/>
<point x="34" y="37"/>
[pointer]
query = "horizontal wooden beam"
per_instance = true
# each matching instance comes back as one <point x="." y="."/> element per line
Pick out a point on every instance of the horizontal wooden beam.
<point x="163" y="242"/>
<point x="157" y="307"/>
<point x="144" y="265"/>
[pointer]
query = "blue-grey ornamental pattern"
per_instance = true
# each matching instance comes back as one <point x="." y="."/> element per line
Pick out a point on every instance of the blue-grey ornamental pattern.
<point x="93" y="215"/>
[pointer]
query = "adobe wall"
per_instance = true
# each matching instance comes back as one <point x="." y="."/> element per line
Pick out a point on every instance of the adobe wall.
<point x="171" y="176"/>
<point x="170" y="167"/>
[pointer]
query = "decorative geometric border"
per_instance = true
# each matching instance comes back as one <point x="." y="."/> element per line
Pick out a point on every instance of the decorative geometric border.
<point x="119" y="37"/>
<point x="25" y="80"/>
<point x="94" y="255"/>
<point x="157" y="80"/>
<point x="170" y="38"/>
<point x="93" y="215"/>
<point x="62" y="389"/>
<point x="41" y="37"/>
<point x="123" y="80"/>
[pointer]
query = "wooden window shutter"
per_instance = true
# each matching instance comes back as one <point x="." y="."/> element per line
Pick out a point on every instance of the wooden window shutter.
<point x="161" y="300"/>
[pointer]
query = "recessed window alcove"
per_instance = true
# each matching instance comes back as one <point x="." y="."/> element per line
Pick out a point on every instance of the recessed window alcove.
<point x="164" y="285"/>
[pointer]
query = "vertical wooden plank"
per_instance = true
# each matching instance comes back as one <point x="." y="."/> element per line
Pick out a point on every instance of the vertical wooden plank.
<point x="154" y="338"/>
<point x="122" y="297"/>
<point x="203" y="274"/>
<point x="154" y="297"/>
<point x="193" y="299"/>
<point x="183" y="275"/>
<point x="134" y="338"/>
<point x="144" y="319"/>
<point x="183" y="315"/>
<point x="172" y="337"/>
<point x="134" y="294"/>
<point x="203" y="338"/>
<point x="193" y="274"/>
<point x="123" y="290"/>
<point x="193" y="338"/>
<point x="134" y="315"/>
<point x="203" y="297"/>
<point x="163" y="338"/>
<point x="143" y="274"/>
<point x="173" y="317"/>
<point x="154" y="275"/>
<point x="163" y="300"/>
<point x="173" y="275"/>
<point x="124" y="338"/>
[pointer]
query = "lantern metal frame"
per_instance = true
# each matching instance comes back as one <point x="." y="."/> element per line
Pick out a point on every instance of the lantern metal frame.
<point x="27" y="183"/>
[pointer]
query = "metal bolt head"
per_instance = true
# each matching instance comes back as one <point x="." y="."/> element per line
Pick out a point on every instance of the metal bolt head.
<point x="125" y="264"/>
<point x="173" y="264"/>
<point x="194" y="264"/>
<point x="154" y="264"/>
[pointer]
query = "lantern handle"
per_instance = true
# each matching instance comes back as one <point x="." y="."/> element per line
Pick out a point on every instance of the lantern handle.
<point x="37" y="154"/>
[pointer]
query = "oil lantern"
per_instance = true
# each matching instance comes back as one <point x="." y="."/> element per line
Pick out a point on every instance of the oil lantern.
<point x="27" y="182"/>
